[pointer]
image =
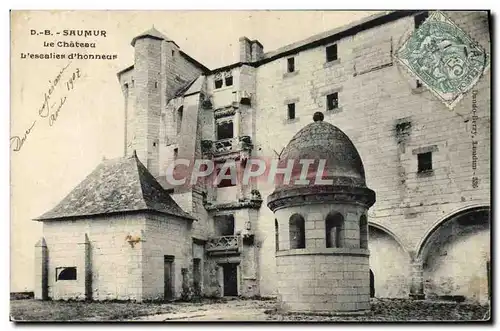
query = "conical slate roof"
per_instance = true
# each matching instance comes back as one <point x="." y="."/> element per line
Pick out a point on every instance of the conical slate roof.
<point x="116" y="186"/>
<point x="152" y="33"/>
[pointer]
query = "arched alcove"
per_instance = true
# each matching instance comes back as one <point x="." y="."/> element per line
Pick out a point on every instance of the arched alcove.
<point x="455" y="256"/>
<point x="389" y="262"/>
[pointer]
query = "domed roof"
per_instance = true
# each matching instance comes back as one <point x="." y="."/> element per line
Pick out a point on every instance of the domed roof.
<point x="323" y="141"/>
<point x="335" y="171"/>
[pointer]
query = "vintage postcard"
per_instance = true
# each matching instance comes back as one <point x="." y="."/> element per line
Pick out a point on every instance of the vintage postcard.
<point x="250" y="166"/>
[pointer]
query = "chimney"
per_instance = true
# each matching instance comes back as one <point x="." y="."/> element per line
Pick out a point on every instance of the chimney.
<point x="257" y="50"/>
<point x="245" y="50"/>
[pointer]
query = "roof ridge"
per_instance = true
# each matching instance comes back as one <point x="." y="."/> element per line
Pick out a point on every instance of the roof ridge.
<point x="138" y="173"/>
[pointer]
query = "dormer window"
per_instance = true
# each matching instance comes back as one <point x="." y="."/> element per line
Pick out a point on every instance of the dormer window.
<point x="229" y="80"/>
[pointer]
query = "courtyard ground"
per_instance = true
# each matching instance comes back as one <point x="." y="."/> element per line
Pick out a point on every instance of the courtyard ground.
<point x="236" y="310"/>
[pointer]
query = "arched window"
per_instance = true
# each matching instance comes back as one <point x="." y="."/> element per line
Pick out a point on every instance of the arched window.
<point x="297" y="232"/>
<point x="363" y="232"/>
<point x="179" y="118"/>
<point x="276" y="235"/>
<point x="66" y="273"/>
<point x="334" y="223"/>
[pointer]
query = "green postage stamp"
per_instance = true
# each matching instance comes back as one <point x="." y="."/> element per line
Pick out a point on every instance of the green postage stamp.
<point x="444" y="58"/>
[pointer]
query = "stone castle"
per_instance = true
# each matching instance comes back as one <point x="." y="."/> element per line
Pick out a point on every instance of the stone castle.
<point x="408" y="216"/>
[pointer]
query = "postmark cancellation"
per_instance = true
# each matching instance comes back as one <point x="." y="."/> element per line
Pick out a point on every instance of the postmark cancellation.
<point x="444" y="58"/>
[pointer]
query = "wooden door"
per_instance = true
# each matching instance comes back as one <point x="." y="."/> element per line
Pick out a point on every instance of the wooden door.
<point x="168" y="273"/>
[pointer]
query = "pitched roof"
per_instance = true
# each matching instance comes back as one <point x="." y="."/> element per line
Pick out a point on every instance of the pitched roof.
<point x="152" y="33"/>
<point x="116" y="186"/>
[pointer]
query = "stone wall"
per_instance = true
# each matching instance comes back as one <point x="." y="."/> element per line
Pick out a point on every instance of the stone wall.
<point x="390" y="265"/>
<point x="116" y="267"/>
<point x="165" y="235"/>
<point x="375" y="94"/>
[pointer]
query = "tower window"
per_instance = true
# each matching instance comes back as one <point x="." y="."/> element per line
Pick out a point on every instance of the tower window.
<point x="218" y="83"/>
<point x="225" y="130"/>
<point x="291" y="111"/>
<point x="179" y="118"/>
<point x="419" y="19"/>
<point x="176" y="152"/>
<point x="291" y="64"/>
<point x="331" y="53"/>
<point x="229" y="80"/>
<point x="173" y="53"/>
<point x="224" y="225"/>
<point x="297" y="231"/>
<point x="276" y="235"/>
<point x="424" y="162"/>
<point x="332" y="101"/>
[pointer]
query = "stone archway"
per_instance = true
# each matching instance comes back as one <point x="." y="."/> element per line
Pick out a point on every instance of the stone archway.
<point x="455" y="255"/>
<point x="390" y="262"/>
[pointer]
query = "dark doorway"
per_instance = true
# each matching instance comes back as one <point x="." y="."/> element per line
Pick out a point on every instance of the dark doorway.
<point x="230" y="279"/>
<point x="197" y="276"/>
<point x="372" y="284"/>
<point x="488" y="276"/>
<point x="168" y="274"/>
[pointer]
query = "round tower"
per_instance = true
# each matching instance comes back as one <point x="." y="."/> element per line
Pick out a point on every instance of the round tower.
<point x="323" y="257"/>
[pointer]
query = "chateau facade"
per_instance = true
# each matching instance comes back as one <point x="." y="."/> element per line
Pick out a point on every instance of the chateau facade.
<point x="428" y="230"/>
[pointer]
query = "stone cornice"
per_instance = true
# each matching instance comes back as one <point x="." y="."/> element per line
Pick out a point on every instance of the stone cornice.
<point x="304" y="195"/>
<point x="247" y="203"/>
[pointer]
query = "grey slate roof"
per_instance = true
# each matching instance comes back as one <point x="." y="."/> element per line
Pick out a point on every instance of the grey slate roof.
<point x="116" y="186"/>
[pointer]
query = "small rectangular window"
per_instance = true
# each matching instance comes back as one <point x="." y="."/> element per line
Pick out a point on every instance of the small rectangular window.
<point x="332" y="101"/>
<point x="225" y="130"/>
<point x="176" y="152"/>
<point x="291" y="64"/>
<point x="291" y="111"/>
<point x="424" y="162"/>
<point x="229" y="80"/>
<point x="419" y="19"/>
<point x="218" y="83"/>
<point x="65" y="273"/>
<point x="331" y="53"/>
<point x="419" y="84"/>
